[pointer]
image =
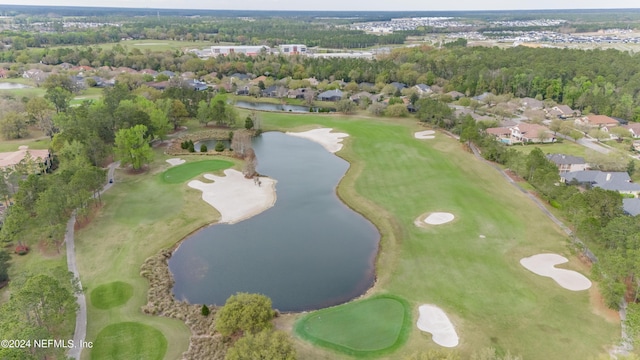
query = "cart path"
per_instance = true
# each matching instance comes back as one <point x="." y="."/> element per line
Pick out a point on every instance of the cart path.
<point x="80" y="332"/>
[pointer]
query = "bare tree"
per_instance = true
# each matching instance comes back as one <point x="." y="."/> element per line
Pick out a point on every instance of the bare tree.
<point x="250" y="164"/>
<point x="241" y="143"/>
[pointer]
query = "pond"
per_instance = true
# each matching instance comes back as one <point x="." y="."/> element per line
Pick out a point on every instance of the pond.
<point x="11" y="86"/>
<point x="309" y="251"/>
<point x="273" y="107"/>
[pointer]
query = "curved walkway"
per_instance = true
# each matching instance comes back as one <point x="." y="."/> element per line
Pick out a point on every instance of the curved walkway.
<point x="80" y="332"/>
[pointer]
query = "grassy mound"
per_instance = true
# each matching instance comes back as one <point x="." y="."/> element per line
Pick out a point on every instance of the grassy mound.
<point x="372" y="326"/>
<point x="129" y="340"/>
<point x="107" y="296"/>
<point x="181" y="173"/>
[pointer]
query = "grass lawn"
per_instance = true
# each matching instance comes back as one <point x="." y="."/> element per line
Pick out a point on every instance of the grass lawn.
<point x="566" y="147"/>
<point x="141" y="215"/>
<point x="35" y="140"/>
<point x="478" y="281"/>
<point x="181" y="173"/>
<point x="366" y="327"/>
<point x="129" y="340"/>
<point x="111" y="295"/>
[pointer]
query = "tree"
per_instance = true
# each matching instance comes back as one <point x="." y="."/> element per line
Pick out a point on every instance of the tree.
<point x="131" y="147"/>
<point x="59" y="97"/>
<point x="243" y="312"/>
<point x="265" y="345"/>
<point x="205" y="310"/>
<point x="13" y="126"/>
<point x="376" y="109"/>
<point x="248" y="123"/>
<point x="345" y="106"/>
<point x="4" y="266"/>
<point x="250" y="164"/>
<point x="39" y="111"/>
<point x="176" y="112"/>
<point x="631" y="167"/>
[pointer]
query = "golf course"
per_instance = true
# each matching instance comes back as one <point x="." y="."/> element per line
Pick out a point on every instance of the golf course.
<point x="468" y="267"/>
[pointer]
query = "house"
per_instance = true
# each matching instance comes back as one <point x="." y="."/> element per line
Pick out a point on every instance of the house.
<point x="563" y="112"/>
<point x="312" y="81"/>
<point x="568" y="163"/>
<point x="615" y="181"/>
<point x="331" y="95"/>
<point x="399" y="86"/>
<point x="455" y="95"/>
<point x="532" y="104"/>
<point x="631" y="206"/>
<point x="482" y="97"/>
<point x="168" y="73"/>
<point x="634" y="129"/>
<point x="365" y="86"/>
<point x="531" y="133"/>
<point x="357" y="96"/>
<point x="11" y="159"/>
<point x="423" y="89"/>
<point x="502" y="134"/>
<point x="257" y="80"/>
<point x="196" y="85"/>
<point x="299" y="93"/>
<point x="597" y="121"/>
<point x="239" y="76"/>
<point x="149" y="72"/>
<point x="33" y="74"/>
<point x="161" y="85"/>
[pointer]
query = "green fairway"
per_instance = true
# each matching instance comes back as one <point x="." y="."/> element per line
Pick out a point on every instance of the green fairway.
<point x="129" y="340"/>
<point x="181" y="173"/>
<point x="367" y="327"/>
<point x="141" y="215"/>
<point x="110" y="295"/>
<point x="478" y="281"/>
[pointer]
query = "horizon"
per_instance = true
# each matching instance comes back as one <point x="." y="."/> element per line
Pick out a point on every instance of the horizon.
<point x="354" y="6"/>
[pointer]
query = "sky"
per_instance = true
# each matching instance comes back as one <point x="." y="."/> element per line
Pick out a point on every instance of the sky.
<point x="338" y="5"/>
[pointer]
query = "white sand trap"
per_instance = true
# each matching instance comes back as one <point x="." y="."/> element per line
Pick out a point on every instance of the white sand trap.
<point x="427" y="134"/>
<point x="438" y="218"/>
<point x="176" y="161"/>
<point x="544" y="265"/>
<point x="235" y="197"/>
<point x="330" y="141"/>
<point x="433" y="320"/>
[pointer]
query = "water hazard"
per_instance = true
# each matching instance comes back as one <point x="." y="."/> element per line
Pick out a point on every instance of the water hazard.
<point x="307" y="252"/>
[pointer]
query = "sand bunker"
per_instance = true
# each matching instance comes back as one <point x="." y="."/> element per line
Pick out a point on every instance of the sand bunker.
<point x="544" y="265"/>
<point x="427" y="134"/>
<point x="176" y="161"/>
<point x="434" y="218"/>
<point x="433" y="320"/>
<point x="330" y="141"/>
<point x="235" y="197"/>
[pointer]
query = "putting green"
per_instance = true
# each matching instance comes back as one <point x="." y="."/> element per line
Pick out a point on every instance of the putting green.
<point x="107" y="296"/>
<point x="367" y="327"/>
<point x="181" y="173"/>
<point x="129" y="340"/>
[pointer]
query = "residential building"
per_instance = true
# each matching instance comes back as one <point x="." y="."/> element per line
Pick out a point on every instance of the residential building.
<point x="423" y="89"/>
<point x="634" y="129"/>
<point x="631" y="206"/>
<point x="532" y="104"/>
<point x="331" y="95"/>
<point x="455" y="95"/>
<point x="568" y="163"/>
<point x="597" y="121"/>
<point x="615" y="181"/>
<point x="531" y="133"/>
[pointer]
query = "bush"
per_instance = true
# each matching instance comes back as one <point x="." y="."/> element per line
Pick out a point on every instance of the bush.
<point x="205" y="310"/>
<point x="22" y="249"/>
<point x="203" y="148"/>
<point x="219" y="146"/>
<point x="249" y="313"/>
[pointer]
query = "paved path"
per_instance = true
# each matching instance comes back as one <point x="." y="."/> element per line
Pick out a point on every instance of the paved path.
<point x="80" y="332"/>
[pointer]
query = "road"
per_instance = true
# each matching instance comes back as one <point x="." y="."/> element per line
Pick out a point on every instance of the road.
<point x="80" y="332"/>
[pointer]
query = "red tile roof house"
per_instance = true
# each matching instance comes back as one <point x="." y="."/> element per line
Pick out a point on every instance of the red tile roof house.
<point x="597" y="121"/>
<point x="531" y="133"/>
<point x="502" y="134"/>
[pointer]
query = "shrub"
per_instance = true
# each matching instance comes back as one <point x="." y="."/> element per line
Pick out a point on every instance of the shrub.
<point x="219" y="146"/>
<point x="205" y="310"/>
<point x="203" y="148"/>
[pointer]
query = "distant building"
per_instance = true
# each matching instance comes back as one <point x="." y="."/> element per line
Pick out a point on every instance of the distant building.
<point x="11" y="159"/>
<point x="331" y="95"/>
<point x="239" y="49"/>
<point x="615" y="181"/>
<point x="293" y="49"/>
